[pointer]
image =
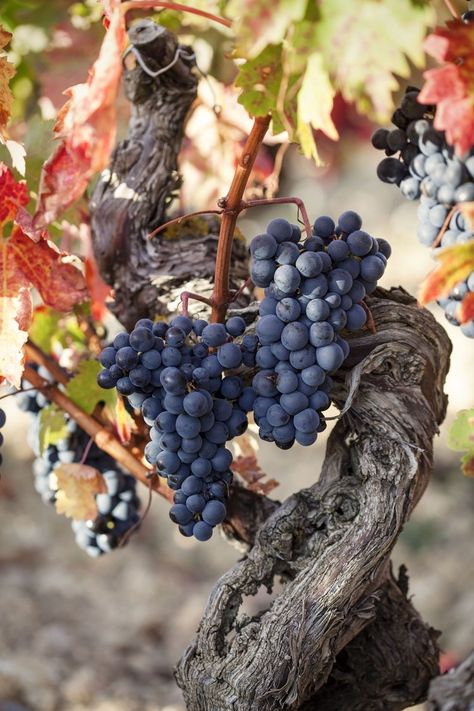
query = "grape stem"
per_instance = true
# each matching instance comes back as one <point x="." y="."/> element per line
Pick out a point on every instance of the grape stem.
<point x="104" y="439"/>
<point x="177" y="220"/>
<point x="443" y="229"/>
<point x="186" y="296"/>
<point x="231" y="205"/>
<point x="282" y="201"/>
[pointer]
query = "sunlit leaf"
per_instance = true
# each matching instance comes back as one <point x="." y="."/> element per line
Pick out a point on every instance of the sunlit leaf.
<point x="456" y="263"/>
<point x="451" y="86"/>
<point x="52" y="426"/>
<point x="315" y="101"/>
<point x="84" y="390"/>
<point x="77" y="487"/>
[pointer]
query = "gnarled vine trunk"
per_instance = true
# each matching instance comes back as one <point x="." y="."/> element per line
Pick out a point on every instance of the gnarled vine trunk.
<point x="331" y="543"/>
<point x="341" y="634"/>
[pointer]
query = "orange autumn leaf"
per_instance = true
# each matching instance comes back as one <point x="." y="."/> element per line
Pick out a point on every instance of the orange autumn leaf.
<point x="451" y="86"/>
<point x="86" y="126"/>
<point x="15" y="318"/>
<point x="77" y="486"/>
<point x="7" y="70"/>
<point x="465" y="311"/>
<point x="456" y="263"/>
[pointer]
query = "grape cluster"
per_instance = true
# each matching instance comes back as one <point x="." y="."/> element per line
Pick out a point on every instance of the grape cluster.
<point x="184" y="378"/>
<point x="313" y="292"/>
<point x="117" y="508"/>
<point x="3" y="419"/>
<point x="427" y="168"/>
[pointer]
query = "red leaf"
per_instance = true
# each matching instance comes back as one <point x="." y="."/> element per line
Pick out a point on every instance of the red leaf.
<point x="13" y="195"/>
<point x="60" y="284"/>
<point x="87" y="125"/>
<point x="451" y="87"/>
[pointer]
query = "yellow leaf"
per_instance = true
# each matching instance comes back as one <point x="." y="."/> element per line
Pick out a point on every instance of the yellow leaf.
<point x="316" y="96"/>
<point x="77" y="486"/>
<point x="456" y="263"/>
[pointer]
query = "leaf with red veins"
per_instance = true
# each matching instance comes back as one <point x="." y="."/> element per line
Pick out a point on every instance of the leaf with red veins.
<point x="60" y="284"/>
<point x="15" y="318"/>
<point x="13" y="195"/>
<point x="87" y="126"/>
<point x="451" y="87"/>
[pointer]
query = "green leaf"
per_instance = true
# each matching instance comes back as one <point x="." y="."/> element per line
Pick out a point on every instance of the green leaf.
<point x="461" y="439"/>
<point x="258" y="23"/>
<point x="365" y="43"/>
<point x="52" y="426"/>
<point x="84" y="390"/>
<point x="44" y="328"/>
<point x="260" y="79"/>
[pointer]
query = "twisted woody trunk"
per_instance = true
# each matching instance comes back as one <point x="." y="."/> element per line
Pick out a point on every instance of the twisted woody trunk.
<point x="341" y="634"/>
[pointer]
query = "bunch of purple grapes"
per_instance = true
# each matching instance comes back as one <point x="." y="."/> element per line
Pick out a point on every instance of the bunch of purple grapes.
<point x="425" y="167"/>
<point x="117" y="508"/>
<point x="313" y="292"/>
<point x="184" y="377"/>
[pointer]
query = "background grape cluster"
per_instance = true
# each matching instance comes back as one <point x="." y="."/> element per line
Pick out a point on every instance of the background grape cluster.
<point x="313" y="291"/>
<point x="117" y="508"/>
<point x="195" y="383"/>
<point x="425" y="167"/>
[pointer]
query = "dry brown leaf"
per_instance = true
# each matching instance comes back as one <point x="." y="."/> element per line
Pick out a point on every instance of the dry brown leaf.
<point x="77" y="486"/>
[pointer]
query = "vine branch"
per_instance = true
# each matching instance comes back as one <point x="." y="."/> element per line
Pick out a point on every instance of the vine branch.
<point x="231" y="203"/>
<point x="146" y="4"/>
<point x="104" y="439"/>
